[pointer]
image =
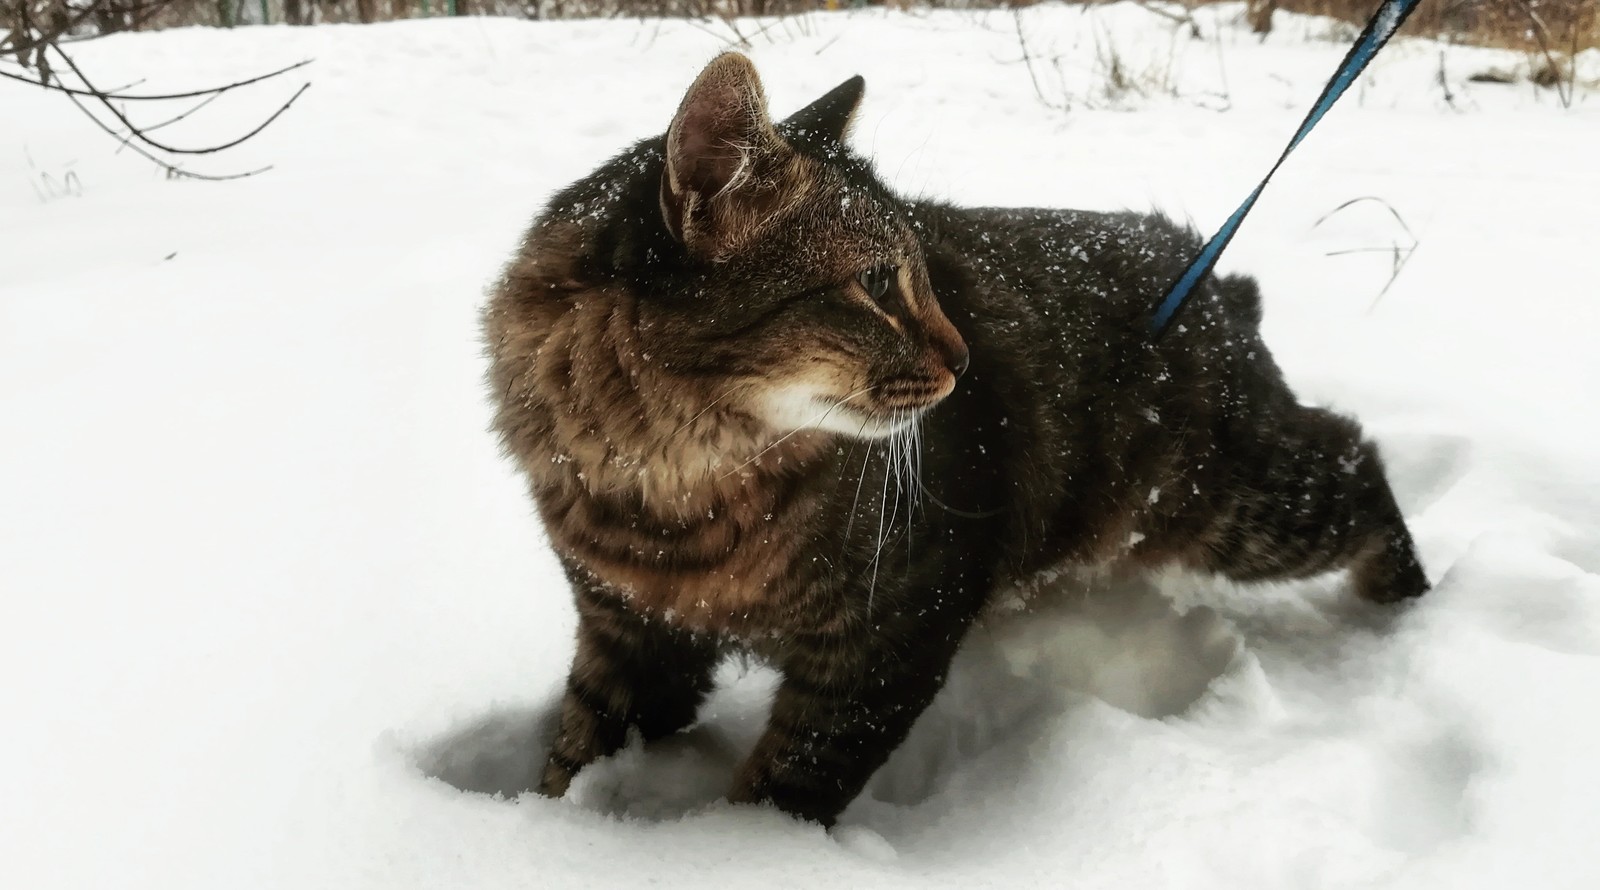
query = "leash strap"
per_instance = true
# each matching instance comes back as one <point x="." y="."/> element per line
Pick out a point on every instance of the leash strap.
<point x="1389" y="17"/>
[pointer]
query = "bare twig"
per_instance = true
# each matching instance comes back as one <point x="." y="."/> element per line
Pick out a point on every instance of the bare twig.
<point x="1563" y="82"/>
<point x="31" y="47"/>
<point x="1444" y="84"/>
<point x="118" y="93"/>
<point x="1184" y="18"/>
<point x="147" y="128"/>
<point x="1376" y="200"/>
<point x="1400" y="255"/>
<point x="1027" y="62"/>
<point x="139" y="133"/>
<point x="173" y="171"/>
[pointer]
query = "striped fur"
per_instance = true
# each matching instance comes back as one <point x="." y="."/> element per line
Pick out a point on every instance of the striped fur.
<point x="764" y="404"/>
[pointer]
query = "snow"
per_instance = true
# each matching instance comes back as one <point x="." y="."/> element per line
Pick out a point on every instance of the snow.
<point x="277" y="615"/>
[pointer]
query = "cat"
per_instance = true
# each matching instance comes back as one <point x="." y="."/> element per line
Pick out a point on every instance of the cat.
<point x="765" y="404"/>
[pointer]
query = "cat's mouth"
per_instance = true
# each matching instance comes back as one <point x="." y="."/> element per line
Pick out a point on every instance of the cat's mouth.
<point x="889" y="407"/>
<point x="912" y="394"/>
<point x="873" y="412"/>
<point x="863" y="423"/>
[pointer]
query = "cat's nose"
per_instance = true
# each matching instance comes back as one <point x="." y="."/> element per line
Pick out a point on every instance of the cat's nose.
<point x="956" y="358"/>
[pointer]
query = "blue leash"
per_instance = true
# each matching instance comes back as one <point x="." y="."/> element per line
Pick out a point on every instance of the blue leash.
<point x="1388" y="19"/>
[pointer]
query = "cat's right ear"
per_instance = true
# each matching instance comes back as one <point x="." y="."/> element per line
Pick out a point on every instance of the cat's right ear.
<point x="830" y="116"/>
<point x="723" y="160"/>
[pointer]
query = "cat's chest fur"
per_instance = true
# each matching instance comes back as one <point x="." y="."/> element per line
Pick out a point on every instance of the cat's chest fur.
<point x="731" y="554"/>
<point x="696" y="517"/>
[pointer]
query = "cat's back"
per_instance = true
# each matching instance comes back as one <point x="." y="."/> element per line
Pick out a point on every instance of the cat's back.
<point x="1096" y="268"/>
<point x="1073" y="291"/>
<point x="1098" y="413"/>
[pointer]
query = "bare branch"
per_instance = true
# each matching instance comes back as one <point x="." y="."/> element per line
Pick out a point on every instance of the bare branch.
<point x="154" y="97"/>
<point x="31" y="34"/>
<point x="135" y="131"/>
<point x="173" y="170"/>
<point x="1399" y="255"/>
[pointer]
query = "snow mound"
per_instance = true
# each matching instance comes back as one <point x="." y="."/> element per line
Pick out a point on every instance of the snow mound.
<point x="276" y="615"/>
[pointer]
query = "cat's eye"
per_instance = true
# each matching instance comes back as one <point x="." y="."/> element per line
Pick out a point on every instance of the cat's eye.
<point x="876" y="281"/>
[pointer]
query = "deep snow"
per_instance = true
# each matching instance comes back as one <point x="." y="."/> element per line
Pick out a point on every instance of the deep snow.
<point x="271" y="600"/>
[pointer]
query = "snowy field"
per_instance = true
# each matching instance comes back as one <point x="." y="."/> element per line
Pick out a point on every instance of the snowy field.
<point x="276" y="615"/>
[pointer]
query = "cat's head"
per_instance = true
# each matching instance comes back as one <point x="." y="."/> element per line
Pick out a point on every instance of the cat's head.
<point x="791" y="276"/>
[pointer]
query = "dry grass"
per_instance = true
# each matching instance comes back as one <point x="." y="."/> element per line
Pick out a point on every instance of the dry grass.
<point x="1566" y="26"/>
<point x="1550" y="32"/>
<point x="1543" y="26"/>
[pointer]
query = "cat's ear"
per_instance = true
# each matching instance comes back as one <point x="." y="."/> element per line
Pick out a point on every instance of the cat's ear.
<point x="830" y="116"/>
<point x="724" y="160"/>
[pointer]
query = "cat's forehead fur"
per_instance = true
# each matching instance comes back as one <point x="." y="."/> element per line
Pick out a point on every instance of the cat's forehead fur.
<point x="838" y="220"/>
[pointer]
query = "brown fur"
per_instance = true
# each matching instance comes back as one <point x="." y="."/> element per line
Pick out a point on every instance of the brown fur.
<point x="699" y="350"/>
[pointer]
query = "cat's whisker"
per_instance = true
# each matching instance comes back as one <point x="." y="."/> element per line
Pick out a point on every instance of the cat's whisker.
<point x="897" y="454"/>
<point x="860" y="480"/>
<point x="892" y="450"/>
<point x="913" y="462"/>
<point x="844" y="401"/>
<point x="902" y="463"/>
<point x="898" y="463"/>
<point x="877" y="553"/>
<point x="913" y="475"/>
<point x="919" y="460"/>
<point x="956" y="511"/>
<point x="799" y="429"/>
<point x="712" y="404"/>
<point x="912" y="442"/>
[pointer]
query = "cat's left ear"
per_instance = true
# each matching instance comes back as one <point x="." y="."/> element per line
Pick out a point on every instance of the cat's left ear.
<point x="727" y="171"/>
<point x="830" y="116"/>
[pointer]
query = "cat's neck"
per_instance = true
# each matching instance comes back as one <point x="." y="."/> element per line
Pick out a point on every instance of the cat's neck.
<point x="625" y="429"/>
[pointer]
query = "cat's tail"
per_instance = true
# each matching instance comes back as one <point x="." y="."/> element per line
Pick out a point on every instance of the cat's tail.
<point x="1309" y="495"/>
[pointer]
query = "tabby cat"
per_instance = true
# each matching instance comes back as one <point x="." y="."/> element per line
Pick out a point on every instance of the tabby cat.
<point x="765" y="404"/>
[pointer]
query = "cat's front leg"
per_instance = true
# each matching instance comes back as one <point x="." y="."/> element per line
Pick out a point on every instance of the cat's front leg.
<point x="836" y="718"/>
<point x="628" y="671"/>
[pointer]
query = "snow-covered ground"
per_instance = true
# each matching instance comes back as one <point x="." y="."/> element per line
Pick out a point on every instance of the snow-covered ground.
<point x="276" y="615"/>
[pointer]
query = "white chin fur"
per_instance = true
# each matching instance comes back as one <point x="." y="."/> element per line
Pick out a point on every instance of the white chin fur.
<point x="792" y="408"/>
